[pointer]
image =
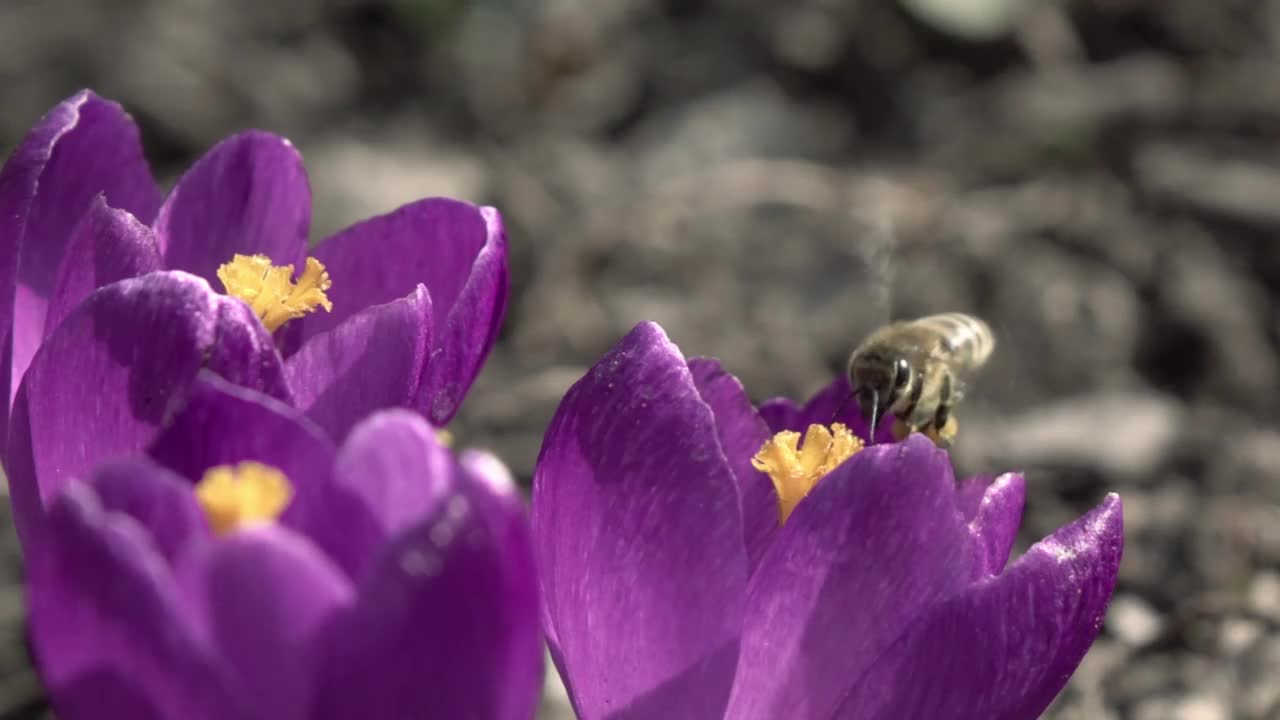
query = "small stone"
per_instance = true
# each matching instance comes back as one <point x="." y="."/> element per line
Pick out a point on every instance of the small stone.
<point x="1134" y="621"/>
<point x="1249" y="462"/>
<point x="1240" y="188"/>
<point x="1201" y="707"/>
<point x="1264" y="595"/>
<point x="1117" y="434"/>
<point x="1259" y="693"/>
<point x="1239" y="634"/>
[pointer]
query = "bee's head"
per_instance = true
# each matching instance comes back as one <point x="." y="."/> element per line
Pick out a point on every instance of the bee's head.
<point x="878" y="379"/>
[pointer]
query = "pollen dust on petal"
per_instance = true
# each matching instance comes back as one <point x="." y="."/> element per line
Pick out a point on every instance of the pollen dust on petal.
<point x="795" y="467"/>
<point x="270" y="290"/>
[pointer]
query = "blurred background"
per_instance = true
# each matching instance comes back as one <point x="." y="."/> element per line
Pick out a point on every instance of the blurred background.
<point x="1098" y="178"/>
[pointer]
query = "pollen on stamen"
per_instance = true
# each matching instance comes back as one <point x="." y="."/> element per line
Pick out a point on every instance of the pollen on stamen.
<point x="270" y="290"/>
<point x="238" y="496"/>
<point x="795" y="467"/>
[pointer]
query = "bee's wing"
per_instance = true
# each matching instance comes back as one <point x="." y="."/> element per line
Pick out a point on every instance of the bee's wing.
<point x="960" y="379"/>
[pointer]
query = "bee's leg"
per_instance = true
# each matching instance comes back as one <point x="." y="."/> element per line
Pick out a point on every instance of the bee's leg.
<point x="943" y="436"/>
<point x="900" y="429"/>
<point x="942" y="429"/>
<point x="908" y="420"/>
<point x="943" y="413"/>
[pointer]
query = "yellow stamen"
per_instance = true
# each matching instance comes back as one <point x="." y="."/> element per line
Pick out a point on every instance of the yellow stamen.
<point x="247" y="494"/>
<point x="796" y="469"/>
<point x="270" y="291"/>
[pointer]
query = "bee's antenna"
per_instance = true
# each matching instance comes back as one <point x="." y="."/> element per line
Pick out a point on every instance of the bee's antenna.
<point x="875" y="416"/>
<point x="840" y="407"/>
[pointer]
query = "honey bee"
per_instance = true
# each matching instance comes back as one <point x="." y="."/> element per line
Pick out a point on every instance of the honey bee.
<point x="917" y="370"/>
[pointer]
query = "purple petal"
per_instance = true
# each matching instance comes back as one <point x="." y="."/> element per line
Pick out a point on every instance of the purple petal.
<point x="1005" y="647"/>
<point x="638" y="537"/>
<point x="390" y="473"/>
<point x="246" y="354"/>
<point x="83" y="147"/>
<point x="108" y="245"/>
<point x="247" y="425"/>
<point x="443" y="626"/>
<point x="372" y="361"/>
<point x="780" y="414"/>
<point x="249" y="194"/>
<point x="821" y="407"/>
<point x="104" y="695"/>
<point x="268" y="592"/>
<point x="103" y="605"/>
<point x="742" y="433"/>
<point x="970" y="493"/>
<point x="993" y="508"/>
<point x="459" y="252"/>
<point x="833" y="404"/>
<point x="102" y="383"/>
<point x="875" y="544"/>
<point x="158" y="499"/>
<point x="494" y="490"/>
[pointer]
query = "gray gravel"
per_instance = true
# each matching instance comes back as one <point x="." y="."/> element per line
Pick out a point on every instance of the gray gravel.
<point x="771" y="180"/>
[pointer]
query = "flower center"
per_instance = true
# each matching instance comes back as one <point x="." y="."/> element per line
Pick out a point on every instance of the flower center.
<point x="247" y="494"/>
<point x="270" y="291"/>
<point x="796" y="468"/>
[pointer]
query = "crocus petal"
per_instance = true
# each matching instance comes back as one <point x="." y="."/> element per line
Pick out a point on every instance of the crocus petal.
<point x="441" y="621"/>
<point x="247" y="425"/>
<point x="499" y="502"/>
<point x="249" y="194"/>
<point x="878" y="541"/>
<point x="742" y="433"/>
<point x="103" y="605"/>
<point x="83" y="147"/>
<point x="105" y="695"/>
<point x="101" y="384"/>
<point x="108" y="245"/>
<point x="830" y="404"/>
<point x="993" y="508"/>
<point x="374" y="360"/>
<point x="780" y="414"/>
<point x="1004" y="648"/>
<point x="158" y="499"/>
<point x="459" y="252"/>
<point x="638" y="537"/>
<point x="390" y="473"/>
<point x="267" y="591"/>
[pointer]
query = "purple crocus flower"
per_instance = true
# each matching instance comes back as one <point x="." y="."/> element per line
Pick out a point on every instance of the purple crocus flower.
<point x="246" y="569"/>
<point x="829" y="405"/>
<point x="79" y="209"/>
<point x="676" y="584"/>
<point x="111" y="295"/>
